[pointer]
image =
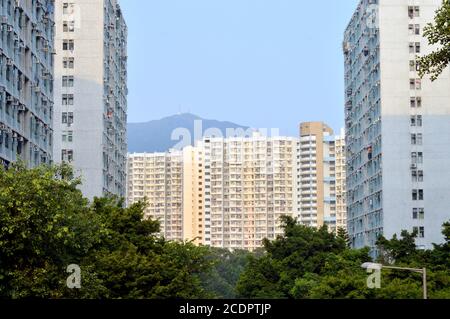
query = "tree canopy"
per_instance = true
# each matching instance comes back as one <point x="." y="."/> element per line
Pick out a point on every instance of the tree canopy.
<point x="308" y="263"/>
<point x="47" y="225"/>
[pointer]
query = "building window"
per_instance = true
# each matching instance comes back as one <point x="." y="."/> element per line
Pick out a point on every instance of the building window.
<point x="417" y="176"/>
<point x="67" y="117"/>
<point x="414" y="29"/>
<point x="414" y="66"/>
<point x="414" y="47"/>
<point x="415" y="84"/>
<point x="419" y="213"/>
<point x="67" y="81"/>
<point x="416" y="102"/>
<point x="68" y="63"/>
<point x="413" y="12"/>
<point x="416" y="120"/>
<point x="67" y="99"/>
<point x="420" y="231"/>
<point x="416" y="139"/>
<point x="68" y="26"/>
<point x="417" y="194"/>
<point x="417" y="157"/>
<point x="68" y="8"/>
<point x="67" y="136"/>
<point x="68" y="45"/>
<point x="67" y="156"/>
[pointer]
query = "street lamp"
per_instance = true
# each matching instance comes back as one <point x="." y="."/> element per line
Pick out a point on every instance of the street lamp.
<point x="422" y="271"/>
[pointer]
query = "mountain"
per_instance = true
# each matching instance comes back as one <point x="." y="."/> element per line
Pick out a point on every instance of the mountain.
<point x="156" y="136"/>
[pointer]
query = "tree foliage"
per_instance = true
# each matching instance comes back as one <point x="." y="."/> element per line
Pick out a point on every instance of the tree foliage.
<point x="220" y="281"/>
<point x="313" y="264"/>
<point x="438" y="33"/>
<point x="46" y="225"/>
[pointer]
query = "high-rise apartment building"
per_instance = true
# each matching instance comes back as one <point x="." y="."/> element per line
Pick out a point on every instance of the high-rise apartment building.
<point x="249" y="184"/>
<point x="397" y="125"/>
<point x="158" y="179"/>
<point x="341" y="181"/>
<point x="91" y="93"/>
<point x="234" y="190"/>
<point x="194" y="194"/>
<point x="317" y="195"/>
<point x="26" y="75"/>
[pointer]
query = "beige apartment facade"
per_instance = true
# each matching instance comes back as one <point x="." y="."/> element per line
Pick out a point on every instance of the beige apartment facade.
<point x="193" y="195"/>
<point x="231" y="192"/>
<point x="227" y="193"/>
<point x="322" y="177"/>
<point x="341" y="187"/>
<point x="157" y="179"/>
<point x="249" y="184"/>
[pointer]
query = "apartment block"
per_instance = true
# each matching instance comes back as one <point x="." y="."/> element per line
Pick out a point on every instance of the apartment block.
<point x="397" y="132"/>
<point x="157" y="179"/>
<point x="341" y="181"/>
<point x="194" y="193"/>
<point x="249" y="184"/>
<point x="26" y="75"/>
<point x="91" y="93"/>
<point x="230" y="193"/>
<point x="317" y="196"/>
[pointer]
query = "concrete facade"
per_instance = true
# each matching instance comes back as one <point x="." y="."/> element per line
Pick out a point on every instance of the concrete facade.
<point x="317" y="176"/>
<point x="26" y="75"/>
<point x="91" y="93"/>
<point x="396" y="125"/>
<point x="158" y="179"/>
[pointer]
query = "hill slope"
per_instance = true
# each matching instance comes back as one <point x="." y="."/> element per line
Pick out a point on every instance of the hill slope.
<point x="156" y="136"/>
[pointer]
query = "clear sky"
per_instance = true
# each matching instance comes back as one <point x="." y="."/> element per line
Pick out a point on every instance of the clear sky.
<point x="260" y="63"/>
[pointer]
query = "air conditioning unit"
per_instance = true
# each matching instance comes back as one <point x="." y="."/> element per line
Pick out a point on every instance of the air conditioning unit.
<point x="414" y="166"/>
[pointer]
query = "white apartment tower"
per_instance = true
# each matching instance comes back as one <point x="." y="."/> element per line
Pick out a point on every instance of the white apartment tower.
<point x="26" y="75"/>
<point x="397" y="125"/>
<point x="91" y="93"/>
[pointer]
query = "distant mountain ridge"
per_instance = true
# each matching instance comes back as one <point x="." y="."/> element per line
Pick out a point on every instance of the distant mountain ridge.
<point x="156" y="136"/>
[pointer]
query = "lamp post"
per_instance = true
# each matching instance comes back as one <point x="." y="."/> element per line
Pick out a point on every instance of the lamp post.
<point x="422" y="271"/>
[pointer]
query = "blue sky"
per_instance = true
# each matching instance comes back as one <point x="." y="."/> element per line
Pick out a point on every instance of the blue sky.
<point x="261" y="63"/>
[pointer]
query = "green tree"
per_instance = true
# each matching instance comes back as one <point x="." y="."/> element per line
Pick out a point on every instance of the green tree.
<point x="46" y="225"/>
<point x="295" y="262"/>
<point x="307" y="263"/>
<point x="220" y="281"/>
<point x="438" y="33"/>
<point x="342" y="234"/>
